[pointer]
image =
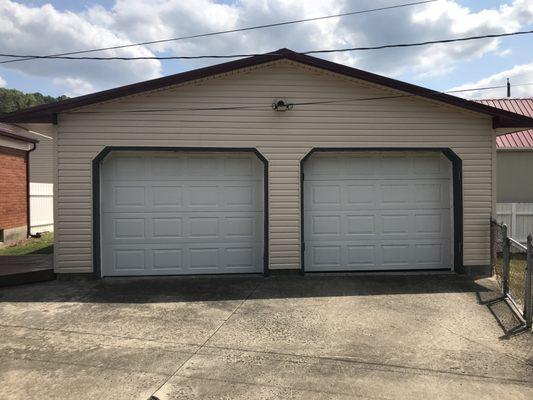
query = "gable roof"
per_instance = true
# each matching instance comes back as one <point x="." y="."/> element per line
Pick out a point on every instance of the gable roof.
<point x="515" y="140"/>
<point x="48" y="113"/>
<point x="9" y="132"/>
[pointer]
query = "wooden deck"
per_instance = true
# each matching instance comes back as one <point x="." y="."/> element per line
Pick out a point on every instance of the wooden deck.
<point x="18" y="270"/>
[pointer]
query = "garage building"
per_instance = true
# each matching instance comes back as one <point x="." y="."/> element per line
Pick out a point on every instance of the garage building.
<point x="273" y="162"/>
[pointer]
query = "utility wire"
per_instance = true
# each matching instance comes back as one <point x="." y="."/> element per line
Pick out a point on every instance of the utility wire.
<point x="389" y="46"/>
<point x="261" y="107"/>
<point x="228" y="31"/>
<point x="386" y="46"/>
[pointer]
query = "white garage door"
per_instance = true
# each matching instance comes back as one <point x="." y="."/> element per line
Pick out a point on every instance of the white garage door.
<point x="176" y="213"/>
<point x="377" y="211"/>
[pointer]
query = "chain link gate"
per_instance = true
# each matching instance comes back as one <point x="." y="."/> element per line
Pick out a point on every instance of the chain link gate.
<point x="513" y="267"/>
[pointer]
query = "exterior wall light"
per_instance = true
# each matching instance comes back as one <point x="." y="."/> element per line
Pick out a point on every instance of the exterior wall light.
<point x="281" y="105"/>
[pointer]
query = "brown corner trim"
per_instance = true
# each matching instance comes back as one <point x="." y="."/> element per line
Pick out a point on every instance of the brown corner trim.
<point x="96" y="163"/>
<point x="458" y="218"/>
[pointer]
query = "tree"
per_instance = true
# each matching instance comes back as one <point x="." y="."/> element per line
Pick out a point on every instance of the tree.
<point x="14" y="100"/>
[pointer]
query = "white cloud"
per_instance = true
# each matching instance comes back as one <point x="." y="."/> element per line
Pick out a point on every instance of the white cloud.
<point x="26" y="29"/>
<point x="448" y="19"/>
<point x="505" y="52"/>
<point x="520" y="76"/>
<point x="45" y="30"/>
<point x="143" y="20"/>
<point x="2" y="82"/>
<point x="74" y="86"/>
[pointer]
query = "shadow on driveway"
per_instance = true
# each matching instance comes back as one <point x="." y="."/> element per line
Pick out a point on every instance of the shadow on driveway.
<point x="300" y="337"/>
<point x="220" y="288"/>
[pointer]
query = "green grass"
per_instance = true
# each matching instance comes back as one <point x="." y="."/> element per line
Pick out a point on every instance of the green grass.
<point x="42" y="245"/>
<point x="517" y="275"/>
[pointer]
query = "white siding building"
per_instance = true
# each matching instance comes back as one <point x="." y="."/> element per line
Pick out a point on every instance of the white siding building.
<point x="197" y="173"/>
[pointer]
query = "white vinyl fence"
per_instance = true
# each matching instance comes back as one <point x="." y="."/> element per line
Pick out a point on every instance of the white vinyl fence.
<point x="41" y="207"/>
<point x="518" y="217"/>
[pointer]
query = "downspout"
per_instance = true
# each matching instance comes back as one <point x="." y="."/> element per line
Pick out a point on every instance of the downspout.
<point x="28" y="221"/>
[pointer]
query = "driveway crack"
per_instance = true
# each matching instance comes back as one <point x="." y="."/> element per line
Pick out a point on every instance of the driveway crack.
<point x="153" y="397"/>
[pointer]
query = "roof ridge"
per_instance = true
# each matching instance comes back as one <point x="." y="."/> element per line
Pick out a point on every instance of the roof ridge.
<point x="48" y="113"/>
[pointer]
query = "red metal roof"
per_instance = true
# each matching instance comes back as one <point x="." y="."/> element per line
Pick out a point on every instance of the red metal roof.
<point x="515" y="140"/>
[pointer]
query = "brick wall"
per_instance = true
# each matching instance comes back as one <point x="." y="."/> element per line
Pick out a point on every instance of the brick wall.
<point x="13" y="198"/>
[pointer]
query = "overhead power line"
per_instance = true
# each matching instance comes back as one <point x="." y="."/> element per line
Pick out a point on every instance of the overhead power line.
<point x="305" y="103"/>
<point x="250" y="28"/>
<point x="390" y="46"/>
<point x="380" y="47"/>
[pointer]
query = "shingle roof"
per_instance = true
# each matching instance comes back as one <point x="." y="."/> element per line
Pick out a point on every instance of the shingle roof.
<point x="48" y="113"/>
<point x="515" y="140"/>
<point x="7" y="131"/>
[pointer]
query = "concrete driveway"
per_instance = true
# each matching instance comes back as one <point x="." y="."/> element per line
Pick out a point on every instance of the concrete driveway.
<point x="290" y="337"/>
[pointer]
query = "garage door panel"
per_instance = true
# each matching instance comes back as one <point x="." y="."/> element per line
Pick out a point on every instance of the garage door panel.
<point x="166" y="227"/>
<point x="361" y="195"/>
<point x="367" y="255"/>
<point x="352" y="194"/>
<point x="167" y="260"/>
<point x="181" y="166"/>
<point x="326" y="257"/>
<point x="361" y="226"/>
<point x="395" y="255"/>
<point x="394" y="225"/>
<point x="183" y="227"/>
<point x="128" y="167"/>
<point x="378" y="225"/>
<point x="382" y="165"/>
<point x="130" y="196"/>
<point x="181" y="213"/>
<point x="204" y="195"/>
<point x="326" y="225"/>
<point x="192" y="258"/>
<point x="431" y="166"/>
<point x="361" y="256"/>
<point x="377" y="211"/>
<point x="243" y="167"/>
<point x="240" y="259"/>
<point x="166" y="167"/>
<point x="129" y="228"/>
<point x="167" y="196"/>
<point x="394" y="194"/>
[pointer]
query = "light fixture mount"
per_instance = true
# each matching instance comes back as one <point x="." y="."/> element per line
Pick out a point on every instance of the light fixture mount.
<point x="281" y="105"/>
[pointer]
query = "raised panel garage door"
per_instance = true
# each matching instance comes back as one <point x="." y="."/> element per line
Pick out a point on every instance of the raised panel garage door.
<point x="377" y="211"/>
<point x="174" y="213"/>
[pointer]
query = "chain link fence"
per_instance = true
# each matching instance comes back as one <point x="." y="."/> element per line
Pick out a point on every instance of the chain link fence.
<point x="512" y="264"/>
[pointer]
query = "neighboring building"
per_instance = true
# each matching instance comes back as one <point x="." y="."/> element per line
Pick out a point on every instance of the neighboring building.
<point x="515" y="155"/>
<point x="199" y="173"/>
<point x="14" y="183"/>
<point x="515" y="171"/>
<point x="41" y="175"/>
<point x="42" y="178"/>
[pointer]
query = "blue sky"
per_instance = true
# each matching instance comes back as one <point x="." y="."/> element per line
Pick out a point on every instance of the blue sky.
<point x="40" y="27"/>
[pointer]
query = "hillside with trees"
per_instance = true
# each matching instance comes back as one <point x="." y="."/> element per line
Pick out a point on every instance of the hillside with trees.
<point x="14" y="100"/>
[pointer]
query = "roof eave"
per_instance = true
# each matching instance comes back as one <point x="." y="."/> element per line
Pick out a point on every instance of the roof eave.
<point x="523" y="123"/>
<point x="48" y="113"/>
<point x="29" y="118"/>
<point x="14" y="136"/>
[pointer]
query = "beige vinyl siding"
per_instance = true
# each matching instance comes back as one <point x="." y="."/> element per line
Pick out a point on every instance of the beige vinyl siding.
<point x="282" y="137"/>
<point x="41" y="161"/>
<point x="512" y="169"/>
<point x="42" y="158"/>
